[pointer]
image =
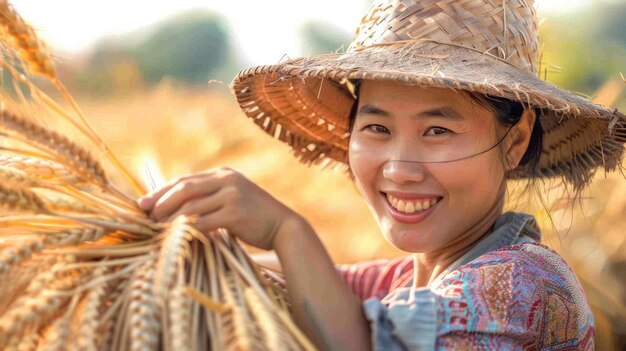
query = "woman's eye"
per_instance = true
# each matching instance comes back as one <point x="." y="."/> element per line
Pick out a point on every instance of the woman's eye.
<point x="377" y="128"/>
<point x="436" y="131"/>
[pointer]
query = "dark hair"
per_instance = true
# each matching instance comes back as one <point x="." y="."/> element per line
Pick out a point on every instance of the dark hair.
<point x="508" y="112"/>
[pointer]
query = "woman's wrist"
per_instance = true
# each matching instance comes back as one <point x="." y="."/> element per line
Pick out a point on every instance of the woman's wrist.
<point x="291" y="231"/>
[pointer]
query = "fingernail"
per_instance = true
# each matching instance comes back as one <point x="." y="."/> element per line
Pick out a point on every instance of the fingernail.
<point x="143" y="202"/>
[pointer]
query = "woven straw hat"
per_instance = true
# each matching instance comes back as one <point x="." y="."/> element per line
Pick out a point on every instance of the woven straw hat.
<point x="484" y="46"/>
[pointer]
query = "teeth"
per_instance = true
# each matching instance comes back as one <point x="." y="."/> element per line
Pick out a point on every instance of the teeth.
<point x="411" y="206"/>
<point x="418" y="206"/>
<point x="401" y="206"/>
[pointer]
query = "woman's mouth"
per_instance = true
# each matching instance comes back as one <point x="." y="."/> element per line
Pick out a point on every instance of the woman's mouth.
<point x="410" y="206"/>
<point x="410" y="210"/>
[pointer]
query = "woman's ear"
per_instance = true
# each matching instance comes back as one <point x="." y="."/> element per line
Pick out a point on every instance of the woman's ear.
<point x="519" y="138"/>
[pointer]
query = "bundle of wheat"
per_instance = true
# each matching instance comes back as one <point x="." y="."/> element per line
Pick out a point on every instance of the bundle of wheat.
<point x="82" y="267"/>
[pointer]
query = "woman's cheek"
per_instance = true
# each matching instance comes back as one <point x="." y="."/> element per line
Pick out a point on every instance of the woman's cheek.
<point x="362" y="159"/>
<point x="365" y="166"/>
<point x="467" y="184"/>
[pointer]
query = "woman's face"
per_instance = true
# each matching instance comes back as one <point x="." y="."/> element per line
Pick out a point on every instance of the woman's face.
<point x="396" y="129"/>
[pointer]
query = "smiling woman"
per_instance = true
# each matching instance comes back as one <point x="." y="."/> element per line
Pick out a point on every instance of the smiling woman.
<point x="432" y="109"/>
<point x="422" y="170"/>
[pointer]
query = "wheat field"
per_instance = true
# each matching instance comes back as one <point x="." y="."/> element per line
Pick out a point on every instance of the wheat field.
<point x="82" y="267"/>
<point x="193" y="130"/>
<point x="172" y="130"/>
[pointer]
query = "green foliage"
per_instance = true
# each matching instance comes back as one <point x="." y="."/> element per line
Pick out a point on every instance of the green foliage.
<point x="188" y="47"/>
<point x="589" y="46"/>
<point x="191" y="47"/>
<point x="97" y="77"/>
<point x="322" y="38"/>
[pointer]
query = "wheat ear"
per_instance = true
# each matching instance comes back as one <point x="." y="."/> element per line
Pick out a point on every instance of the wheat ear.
<point x="16" y="197"/>
<point x="42" y="170"/>
<point x="18" y="251"/>
<point x="271" y="328"/>
<point x="179" y="316"/>
<point x="142" y="312"/>
<point x="32" y="50"/>
<point x="89" y="132"/>
<point x="39" y="303"/>
<point x="56" y="202"/>
<point x="174" y="248"/>
<point x="57" y="335"/>
<point x="114" y="298"/>
<point x="78" y="159"/>
<point x="94" y="304"/>
<point x="17" y="176"/>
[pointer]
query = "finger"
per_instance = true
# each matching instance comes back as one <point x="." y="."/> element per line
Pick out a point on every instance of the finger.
<point x="202" y="206"/>
<point x="148" y="200"/>
<point x="214" y="220"/>
<point x="182" y="192"/>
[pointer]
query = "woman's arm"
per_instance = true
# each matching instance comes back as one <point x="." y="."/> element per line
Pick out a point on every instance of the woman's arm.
<point x="322" y="304"/>
<point x="268" y="260"/>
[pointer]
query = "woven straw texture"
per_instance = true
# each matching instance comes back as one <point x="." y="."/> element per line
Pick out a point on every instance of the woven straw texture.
<point x="485" y="46"/>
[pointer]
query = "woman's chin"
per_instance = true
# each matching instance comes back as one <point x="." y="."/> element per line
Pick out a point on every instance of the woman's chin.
<point x="410" y="241"/>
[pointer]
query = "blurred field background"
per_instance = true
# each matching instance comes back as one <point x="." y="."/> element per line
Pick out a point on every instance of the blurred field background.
<point x="155" y="88"/>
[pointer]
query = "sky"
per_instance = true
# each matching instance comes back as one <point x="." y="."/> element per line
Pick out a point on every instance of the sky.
<point x="264" y="31"/>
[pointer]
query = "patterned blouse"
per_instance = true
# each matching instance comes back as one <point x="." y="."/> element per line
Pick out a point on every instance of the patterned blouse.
<point x="508" y="292"/>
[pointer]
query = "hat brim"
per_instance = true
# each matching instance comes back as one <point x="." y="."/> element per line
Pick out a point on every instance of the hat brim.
<point x="304" y="102"/>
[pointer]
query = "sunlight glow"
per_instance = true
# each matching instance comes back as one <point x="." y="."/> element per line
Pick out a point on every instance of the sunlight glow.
<point x="263" y="31"/>
<point x="551" y="6"/>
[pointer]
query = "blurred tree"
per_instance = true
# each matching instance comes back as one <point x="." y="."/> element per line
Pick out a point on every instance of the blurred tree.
<point x="588" y="46"/>
<point x="111" y="67"/>
<point x="322" y="38"/>
<point x="190" y="47"/>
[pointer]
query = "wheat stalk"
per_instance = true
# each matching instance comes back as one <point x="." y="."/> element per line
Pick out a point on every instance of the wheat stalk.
<point x="83" y="267"/>
<point x="35" y="54"/>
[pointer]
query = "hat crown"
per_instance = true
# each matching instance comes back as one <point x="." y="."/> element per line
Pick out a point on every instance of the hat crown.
<point x="506" y="29"/>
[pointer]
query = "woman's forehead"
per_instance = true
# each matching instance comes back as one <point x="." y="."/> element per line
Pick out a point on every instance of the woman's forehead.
<point x="390" y="98"/>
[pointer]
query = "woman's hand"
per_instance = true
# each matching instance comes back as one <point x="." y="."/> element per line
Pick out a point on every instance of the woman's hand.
<point x="221" y="198"/>
<point x="324" y="306"/>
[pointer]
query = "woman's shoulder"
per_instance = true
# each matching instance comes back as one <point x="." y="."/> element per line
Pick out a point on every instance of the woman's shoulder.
<point x="527" y="255"/>
<point x="526" y="271"/>
<point x="529" y="264"/>
<point x="526" y="291"/>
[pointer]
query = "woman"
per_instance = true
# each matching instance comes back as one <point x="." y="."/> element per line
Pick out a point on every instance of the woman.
<point x="432" y="108"/>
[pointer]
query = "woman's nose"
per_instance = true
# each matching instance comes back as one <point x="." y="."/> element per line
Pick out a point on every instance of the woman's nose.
<point x="401" y="172"/>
